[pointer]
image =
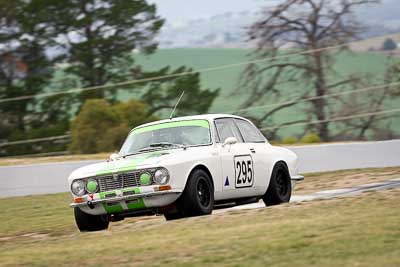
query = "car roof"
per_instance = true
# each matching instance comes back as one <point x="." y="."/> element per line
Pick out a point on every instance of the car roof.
<point x="195" y="117"/>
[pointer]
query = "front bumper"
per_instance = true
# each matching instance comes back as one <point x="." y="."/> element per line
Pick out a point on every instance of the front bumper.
<point x="296" y="178"/>
<point x="125" y="198"/>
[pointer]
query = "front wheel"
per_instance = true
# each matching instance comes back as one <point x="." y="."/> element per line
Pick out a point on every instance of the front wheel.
<point x="197" y="199"/>
<point x="280" y="187"/>
<point x="90" y="223"/>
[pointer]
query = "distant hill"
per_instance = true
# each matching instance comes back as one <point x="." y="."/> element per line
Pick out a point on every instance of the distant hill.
<point x="223" y="30"/>
<point x="229" y="29"/>
<point x="375" y="43"/>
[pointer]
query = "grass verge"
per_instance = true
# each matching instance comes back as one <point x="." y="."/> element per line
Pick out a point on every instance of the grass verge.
<point x="315" y="182"/>
<point x="362" y="231"/>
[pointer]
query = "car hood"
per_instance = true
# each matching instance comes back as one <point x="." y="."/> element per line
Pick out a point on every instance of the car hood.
<point x="129" y="163"/>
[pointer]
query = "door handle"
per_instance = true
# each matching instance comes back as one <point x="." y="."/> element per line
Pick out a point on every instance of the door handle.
<point x="252" y="150"/>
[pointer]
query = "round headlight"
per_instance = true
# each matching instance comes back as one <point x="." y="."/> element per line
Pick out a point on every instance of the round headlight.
<point x="78" y="187"/>
<point x="161" y="176"/>
<point x="92" y="186"/>
<point x="145" y="178"/>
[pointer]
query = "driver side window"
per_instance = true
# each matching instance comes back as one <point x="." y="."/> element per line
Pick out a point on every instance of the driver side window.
<point x="249" y="132"/>
<point x="227" y="128"/>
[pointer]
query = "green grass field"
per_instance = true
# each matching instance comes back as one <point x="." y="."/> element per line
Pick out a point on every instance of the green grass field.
<point x="371" y="65"/>
<point x="356" y="231"/>
<point x="227" y="79"/>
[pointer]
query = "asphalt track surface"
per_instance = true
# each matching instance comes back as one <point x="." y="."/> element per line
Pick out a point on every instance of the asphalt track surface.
<point x="49" y="178"/>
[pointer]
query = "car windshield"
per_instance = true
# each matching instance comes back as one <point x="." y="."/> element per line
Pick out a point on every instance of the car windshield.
<point x="167" y="135"/>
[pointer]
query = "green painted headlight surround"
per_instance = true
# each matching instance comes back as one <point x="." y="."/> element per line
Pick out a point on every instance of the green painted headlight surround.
<point x="145" y="178"/>
<point x="92" y="186"/>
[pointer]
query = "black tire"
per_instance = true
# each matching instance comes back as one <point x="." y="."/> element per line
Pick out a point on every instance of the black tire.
<point x="280" y="186"/>
<point x="90" y="223"/>
<point x="198" y="197"/>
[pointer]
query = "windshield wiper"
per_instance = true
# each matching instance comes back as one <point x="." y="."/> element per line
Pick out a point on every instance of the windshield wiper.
<point x="130" y="154"/>
<point x="163" y="144"/>
<point x="155" y="146"/>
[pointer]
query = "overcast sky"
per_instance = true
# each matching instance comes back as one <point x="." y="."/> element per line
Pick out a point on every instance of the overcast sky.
<point x="184" y="10"/>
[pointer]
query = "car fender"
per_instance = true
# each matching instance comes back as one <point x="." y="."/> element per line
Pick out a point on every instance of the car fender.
<point x="202" y="165"/>
<point x="288" y="157"/>
<point x="183" y="164"/>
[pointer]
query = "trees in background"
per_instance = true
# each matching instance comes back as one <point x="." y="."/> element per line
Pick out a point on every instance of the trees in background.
<point x="389" y="44"/>
<point x="308" y="25"/>
<point x="100" y="126"/>
<point x="95" y="42"/>
<point x="96" y="38"/>
<point x="162" y="95"/>
<point x="393" y="75"/>
<point x="48" y="45"/>
<point x="24" y="66"/>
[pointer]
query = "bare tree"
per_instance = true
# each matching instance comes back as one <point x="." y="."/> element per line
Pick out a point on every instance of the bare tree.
<point x="393" y="75"/>
<point x="377" y="126"/>
<point x="309" y="26"/>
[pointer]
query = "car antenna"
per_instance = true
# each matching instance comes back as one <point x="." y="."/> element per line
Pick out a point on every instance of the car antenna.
<point x="179" y="100"/>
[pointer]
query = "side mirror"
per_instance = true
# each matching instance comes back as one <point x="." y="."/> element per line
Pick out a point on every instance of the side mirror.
<point x="114" y="156"/>
<point x="230" y="141"/>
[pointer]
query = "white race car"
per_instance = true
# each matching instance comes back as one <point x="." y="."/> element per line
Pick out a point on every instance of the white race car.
<point x="183" y="167"/>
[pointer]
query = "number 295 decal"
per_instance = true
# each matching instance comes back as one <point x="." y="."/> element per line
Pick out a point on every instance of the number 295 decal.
<point x="244" y="172"/>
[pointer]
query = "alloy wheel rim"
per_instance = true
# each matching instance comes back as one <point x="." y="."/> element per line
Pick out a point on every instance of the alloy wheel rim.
<point x="282" y="185"/>
<point x="203" y="192"/>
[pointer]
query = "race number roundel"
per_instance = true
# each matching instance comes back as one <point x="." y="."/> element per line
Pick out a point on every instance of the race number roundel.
<point x="244" y="171"/>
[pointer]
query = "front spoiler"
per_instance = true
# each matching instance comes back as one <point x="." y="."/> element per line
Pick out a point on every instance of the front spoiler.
<point x="125" y="198"/>
<point x="297" y="178"/>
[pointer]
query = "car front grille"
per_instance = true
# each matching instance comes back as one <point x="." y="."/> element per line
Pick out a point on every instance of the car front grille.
<point x="121" y="180"/>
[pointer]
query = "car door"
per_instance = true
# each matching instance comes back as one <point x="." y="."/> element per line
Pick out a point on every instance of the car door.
<point x="236" y="161"/>
<point x="259" y="152"/>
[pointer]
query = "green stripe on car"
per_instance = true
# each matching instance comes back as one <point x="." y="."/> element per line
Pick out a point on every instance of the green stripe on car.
<point x="137" y="190"/>
<point x="114" y="208"/>
<point x="199" y="123"/>
<point x="135" y="204"/>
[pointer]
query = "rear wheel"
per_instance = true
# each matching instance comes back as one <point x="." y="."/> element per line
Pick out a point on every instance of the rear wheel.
<point x="197" y="199"/>
<point x="280" y="188"/>
<point x="90" y="223"/>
